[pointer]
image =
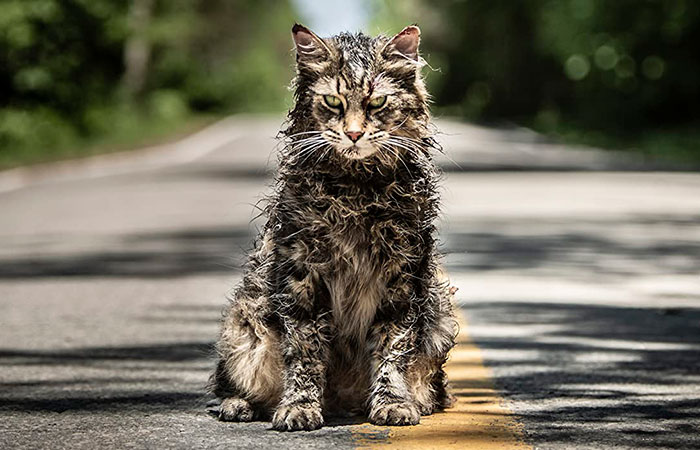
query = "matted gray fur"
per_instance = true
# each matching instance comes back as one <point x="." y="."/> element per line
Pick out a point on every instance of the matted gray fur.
<point x="341" y="309"/>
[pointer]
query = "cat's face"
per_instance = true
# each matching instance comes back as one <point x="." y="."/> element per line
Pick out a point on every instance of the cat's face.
<point x="357" y="95"/>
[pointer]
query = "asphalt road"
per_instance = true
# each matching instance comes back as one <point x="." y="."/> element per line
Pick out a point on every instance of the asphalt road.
<point x="579" y="279"/>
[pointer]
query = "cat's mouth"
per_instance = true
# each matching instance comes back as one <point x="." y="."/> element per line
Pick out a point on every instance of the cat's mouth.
<point x="358" y="151"/>
<point x="351" y="150"/>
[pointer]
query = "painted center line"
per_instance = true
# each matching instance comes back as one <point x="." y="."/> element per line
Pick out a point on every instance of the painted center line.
<point x="479" y="420"/>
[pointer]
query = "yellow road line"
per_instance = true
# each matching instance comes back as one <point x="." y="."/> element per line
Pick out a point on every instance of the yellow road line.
<point x="479" y="420"/>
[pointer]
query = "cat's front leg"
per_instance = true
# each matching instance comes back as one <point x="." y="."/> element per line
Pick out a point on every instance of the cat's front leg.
<point x="305" y="353"/>
<point x="392" y="340"/>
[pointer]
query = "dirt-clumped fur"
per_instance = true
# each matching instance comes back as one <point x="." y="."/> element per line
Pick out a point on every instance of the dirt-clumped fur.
<point x="342" y="308"/>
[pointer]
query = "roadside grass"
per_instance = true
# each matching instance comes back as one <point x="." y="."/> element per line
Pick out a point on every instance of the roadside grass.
<point x="38" y="137"/>
<point x="677" y="148"/>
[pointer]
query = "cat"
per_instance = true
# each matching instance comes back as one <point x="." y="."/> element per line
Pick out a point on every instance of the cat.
<point x="341" y="309"/>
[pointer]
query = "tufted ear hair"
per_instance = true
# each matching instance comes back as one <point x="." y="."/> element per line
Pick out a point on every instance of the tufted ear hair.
<point x="309" y="47"/>
<point x="405" y="44"/>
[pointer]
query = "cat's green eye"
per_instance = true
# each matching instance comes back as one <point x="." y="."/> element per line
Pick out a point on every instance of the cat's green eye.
<point x="332" y="101"/>
<point x="377" y="102"/>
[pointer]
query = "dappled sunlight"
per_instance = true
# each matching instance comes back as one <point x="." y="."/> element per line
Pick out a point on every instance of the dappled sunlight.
<point x="599" y="364"/>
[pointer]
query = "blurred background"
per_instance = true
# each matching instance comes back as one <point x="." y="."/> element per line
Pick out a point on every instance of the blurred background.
<point x="570" y="215"/>
<point x="84" y="76"/>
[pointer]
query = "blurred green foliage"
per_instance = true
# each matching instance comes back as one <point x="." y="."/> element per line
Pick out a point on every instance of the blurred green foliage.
<point x="63" y="64"/>
<point x="611" y="73"/>
<point x="623" y="73"/>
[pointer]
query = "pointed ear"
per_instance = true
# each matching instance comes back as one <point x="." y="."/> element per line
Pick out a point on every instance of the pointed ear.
<point x="309" y="46"/>
<point x="404" y="44"/>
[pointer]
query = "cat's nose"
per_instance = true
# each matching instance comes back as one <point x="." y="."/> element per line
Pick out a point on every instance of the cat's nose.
<point x="354" y="135"/>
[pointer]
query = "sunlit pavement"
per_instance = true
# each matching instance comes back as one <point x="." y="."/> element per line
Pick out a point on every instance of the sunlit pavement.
<point x="580" y="288"/>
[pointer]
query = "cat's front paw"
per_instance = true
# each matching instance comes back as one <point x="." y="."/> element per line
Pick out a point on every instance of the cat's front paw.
<point x="297" y="417"/>
<point x="395" y="414"/>
<point x="235" y="409"/>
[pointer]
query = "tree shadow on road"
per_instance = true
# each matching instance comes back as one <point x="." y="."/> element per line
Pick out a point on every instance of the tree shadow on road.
<point x="599" y="375"/>
<point x="120" y="378"/>
<point x="580" y="249"/>
<point x="586" y="252"/>
<point x="144" y="255"/>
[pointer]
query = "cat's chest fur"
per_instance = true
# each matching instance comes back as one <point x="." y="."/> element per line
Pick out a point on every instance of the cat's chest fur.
<point x="357" y="234"/>
<point x="356" y="285"/>
<point x="360" y="254"/>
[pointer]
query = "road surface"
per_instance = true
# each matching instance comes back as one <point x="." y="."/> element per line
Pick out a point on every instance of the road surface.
<point x="579" y="283"/>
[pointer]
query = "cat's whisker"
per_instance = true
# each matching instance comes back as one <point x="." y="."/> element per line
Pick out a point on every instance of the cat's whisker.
<point x="407" y="140"/>
<point x="301" y="157"/>
<point x="302" y="133"/>
<point x="411" y="144"/>
<point x="303" y="143"/>
<point x="307" y="139"/>
<point x="422" y="145"/>
<point x="292" y="143"/>
<point x="310" y="151"/>
<point x="399" y="125"/>
<point x="400" y="145"/>
<point x="396" y="155"/>
<point x="324" y="155"/>
<point x="298" y="151"/>
<point x="301" y="153"/>
<point x="304" y="139"/>
<point x="314" y="150"/>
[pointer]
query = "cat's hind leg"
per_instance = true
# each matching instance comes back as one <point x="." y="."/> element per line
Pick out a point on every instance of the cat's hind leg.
<point x="248" y="377"/>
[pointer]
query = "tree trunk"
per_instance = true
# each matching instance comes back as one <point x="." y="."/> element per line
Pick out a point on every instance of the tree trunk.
<point x="137" y="48"/>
